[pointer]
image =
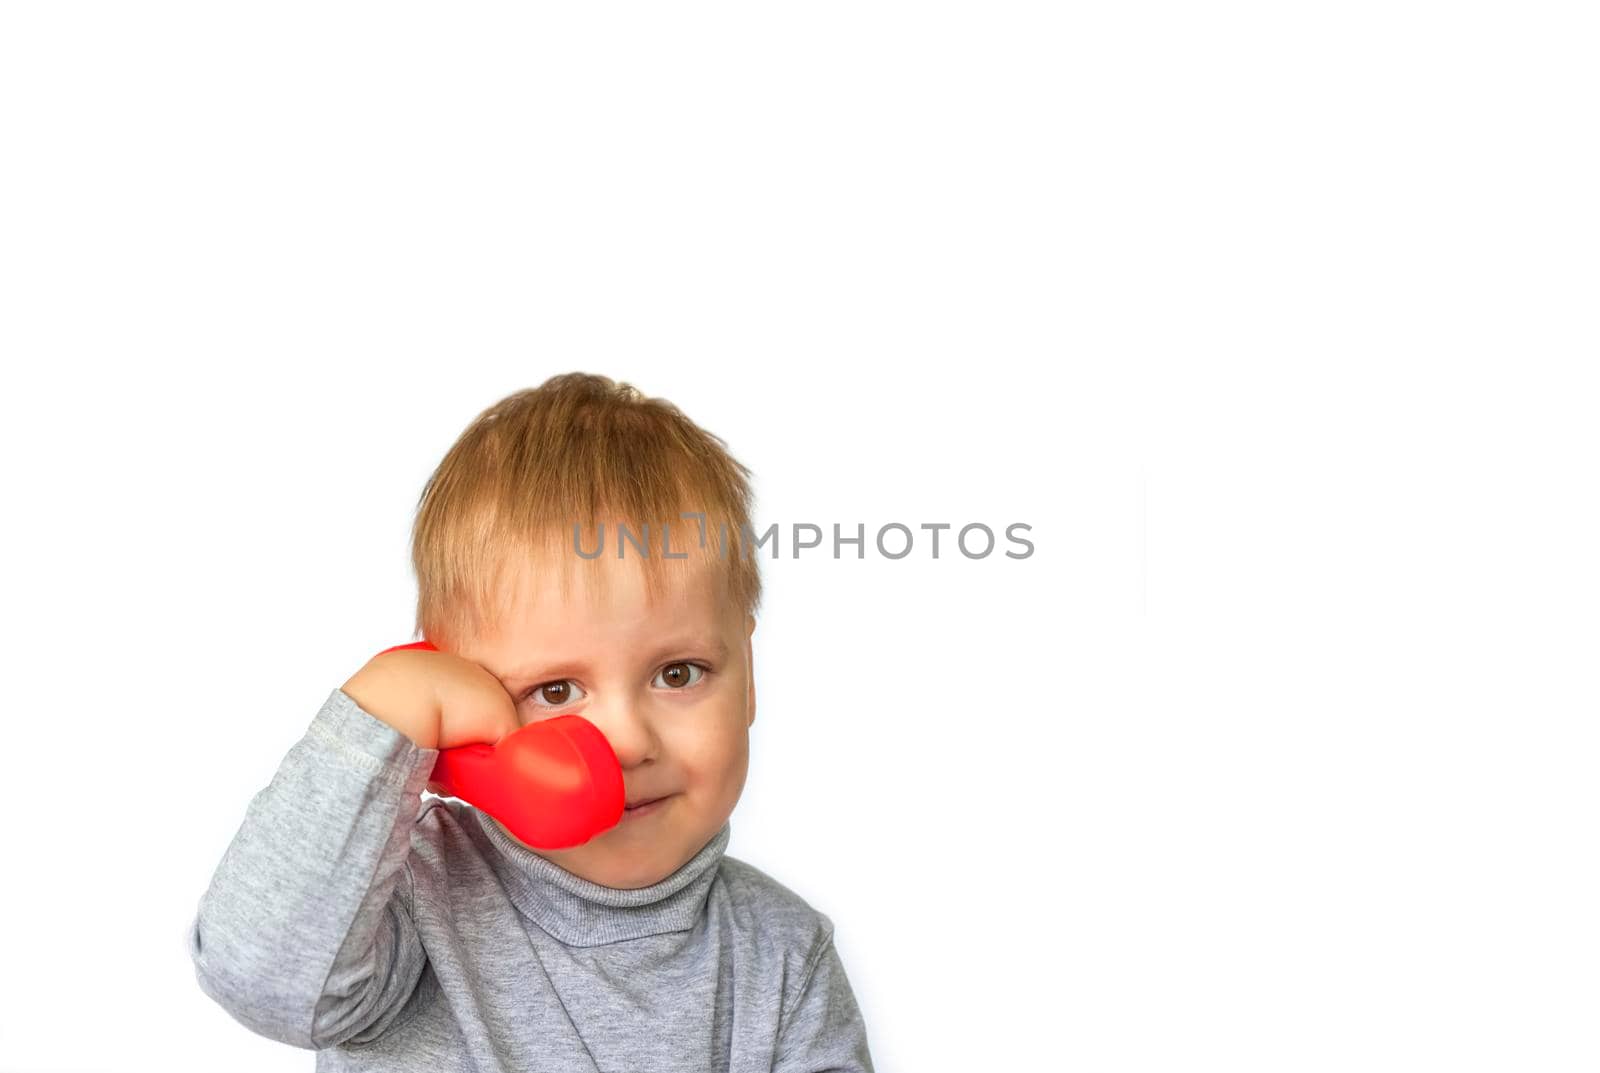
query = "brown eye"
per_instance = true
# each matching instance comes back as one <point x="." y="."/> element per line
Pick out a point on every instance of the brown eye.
<point x="678" y="676"/>
<point x="551" y="694"/>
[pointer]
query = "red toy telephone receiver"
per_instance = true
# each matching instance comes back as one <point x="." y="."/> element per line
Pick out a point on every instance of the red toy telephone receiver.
<point x="554" y="784"/>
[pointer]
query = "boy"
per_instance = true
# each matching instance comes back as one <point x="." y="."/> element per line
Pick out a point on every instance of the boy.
<point x="385" y="932"/>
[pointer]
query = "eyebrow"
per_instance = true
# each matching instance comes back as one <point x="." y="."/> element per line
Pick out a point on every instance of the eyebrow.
<point x="541" y="672"/>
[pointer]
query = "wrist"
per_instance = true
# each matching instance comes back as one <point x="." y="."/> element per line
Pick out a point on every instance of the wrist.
<point x="386" y="697"/>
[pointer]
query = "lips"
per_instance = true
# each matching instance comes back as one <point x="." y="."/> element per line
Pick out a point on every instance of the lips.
<point x="642" y="801"/>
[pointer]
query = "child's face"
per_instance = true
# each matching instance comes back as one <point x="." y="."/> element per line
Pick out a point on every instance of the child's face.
<point x="636" y="671"/>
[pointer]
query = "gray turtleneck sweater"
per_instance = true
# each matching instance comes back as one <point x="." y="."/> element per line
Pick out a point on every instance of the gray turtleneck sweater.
<point x="350" y="917"/>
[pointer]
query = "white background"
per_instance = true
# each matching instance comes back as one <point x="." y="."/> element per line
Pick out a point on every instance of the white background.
<point x="1276" y="322"/>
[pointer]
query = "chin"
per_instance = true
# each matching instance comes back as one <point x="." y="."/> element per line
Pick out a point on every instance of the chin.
<point x="633" y="882"/>
<point x="622" y="871"/>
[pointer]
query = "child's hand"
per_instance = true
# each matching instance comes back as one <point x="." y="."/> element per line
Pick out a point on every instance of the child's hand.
<point x="554" y="784"/>
<point x="436" y="699"/>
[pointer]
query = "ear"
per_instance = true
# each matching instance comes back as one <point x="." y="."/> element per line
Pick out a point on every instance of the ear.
<point x="750" y="666"/>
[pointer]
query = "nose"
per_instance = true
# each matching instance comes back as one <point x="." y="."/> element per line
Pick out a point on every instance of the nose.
<point x="626" y="727"/>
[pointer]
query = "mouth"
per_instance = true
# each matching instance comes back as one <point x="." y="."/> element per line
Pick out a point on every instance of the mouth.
<point x="643" y="805"/>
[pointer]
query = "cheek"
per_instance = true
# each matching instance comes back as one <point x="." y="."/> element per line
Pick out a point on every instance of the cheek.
<point x="711" y="746"/>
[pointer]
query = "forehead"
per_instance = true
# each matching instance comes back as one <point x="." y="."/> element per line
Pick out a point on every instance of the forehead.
<point x="600" y="608"/>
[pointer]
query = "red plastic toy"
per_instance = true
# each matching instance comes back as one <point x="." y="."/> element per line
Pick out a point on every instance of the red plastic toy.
<point x="554" y="784"/>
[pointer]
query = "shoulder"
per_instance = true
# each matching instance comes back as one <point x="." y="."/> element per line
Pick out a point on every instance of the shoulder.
<point x="773" y="910"/>
<point x="785" y="936"/>
<point x="445" y="840"/>
<point x="438" y="819"/>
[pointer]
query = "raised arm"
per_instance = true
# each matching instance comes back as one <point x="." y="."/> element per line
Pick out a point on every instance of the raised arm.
<point x="305" y="933"/>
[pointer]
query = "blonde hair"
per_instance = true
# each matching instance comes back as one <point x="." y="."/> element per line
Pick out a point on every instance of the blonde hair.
<point x="585" y="451"/>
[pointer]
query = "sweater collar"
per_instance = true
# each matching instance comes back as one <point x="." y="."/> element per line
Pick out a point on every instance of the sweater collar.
<point x="579" y="912"/>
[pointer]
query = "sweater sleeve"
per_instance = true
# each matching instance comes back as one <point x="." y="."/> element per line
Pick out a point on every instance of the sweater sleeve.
<point x="305" y="933"/>
<point x="822" y="1031"/>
